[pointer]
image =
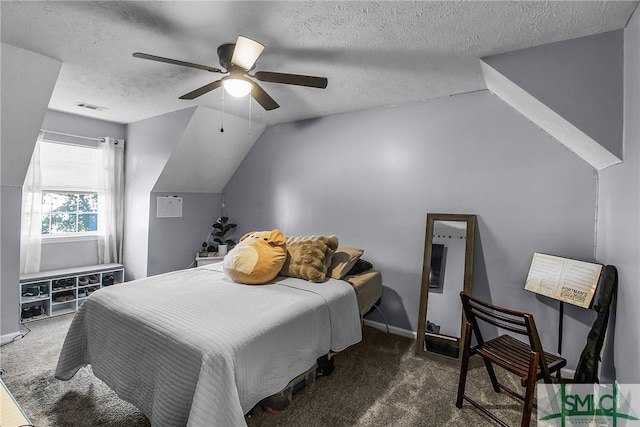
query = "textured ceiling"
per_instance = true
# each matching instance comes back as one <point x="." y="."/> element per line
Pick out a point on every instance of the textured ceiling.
<point x="373" y="53"/>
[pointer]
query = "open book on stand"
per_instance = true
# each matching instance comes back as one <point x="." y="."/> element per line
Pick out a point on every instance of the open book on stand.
<point x="564" y="279"/>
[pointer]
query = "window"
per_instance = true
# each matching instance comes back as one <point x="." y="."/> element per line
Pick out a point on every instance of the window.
<point x="71" y="183"/>
<point x="69" y="213"/>
<point x="72" y="190"/>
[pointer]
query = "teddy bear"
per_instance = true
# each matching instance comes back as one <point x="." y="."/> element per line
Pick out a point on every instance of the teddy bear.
<point x="257" y="258"/>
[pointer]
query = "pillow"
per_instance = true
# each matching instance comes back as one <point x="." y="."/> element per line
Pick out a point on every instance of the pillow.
<point x="257" y="259"/>
<point x="343" y="260"/>
<point x="309" y="257"/>
<point x="360" y="267"/>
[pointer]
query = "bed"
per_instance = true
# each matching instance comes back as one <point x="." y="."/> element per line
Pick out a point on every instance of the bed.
<point x="368" y="287"/>
<point x="194" y="348"/>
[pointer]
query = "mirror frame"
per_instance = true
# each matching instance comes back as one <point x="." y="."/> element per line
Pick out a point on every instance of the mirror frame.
<point x="470" y="220"/>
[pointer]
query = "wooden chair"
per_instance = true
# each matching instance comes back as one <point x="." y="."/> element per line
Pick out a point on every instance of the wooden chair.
<point x="525" y="359"/>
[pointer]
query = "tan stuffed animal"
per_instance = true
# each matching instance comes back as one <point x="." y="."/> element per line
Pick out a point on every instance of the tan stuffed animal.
<point x="258" y="257"/>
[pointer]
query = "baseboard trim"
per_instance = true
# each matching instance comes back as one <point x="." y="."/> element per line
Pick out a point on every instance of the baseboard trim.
<point x="567" y="373"/>
<point x="392" y="329"/>
<point x="7" y="338"/>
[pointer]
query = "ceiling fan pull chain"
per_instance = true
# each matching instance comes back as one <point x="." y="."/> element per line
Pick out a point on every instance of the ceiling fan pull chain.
<point x="249" y="114"/>
<point x="222" y="116"/>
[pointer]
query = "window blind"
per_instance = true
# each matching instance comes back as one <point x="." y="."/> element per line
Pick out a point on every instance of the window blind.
<point x="70" y="167"/>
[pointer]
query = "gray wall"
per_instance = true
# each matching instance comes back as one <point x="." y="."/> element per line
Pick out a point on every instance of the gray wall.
<point x="10" y="212"/>
<point x="580" y="79"/>
<point x="177" y="152"/>
<point x="370" y="177"/>
<point x="173" y="242"/>
<point x="150" y="143"/>
<point x="619" y="227"/>
<point x="68" y="253"/>
<point x="57" y="121"/>
<point x="27" y="81"/>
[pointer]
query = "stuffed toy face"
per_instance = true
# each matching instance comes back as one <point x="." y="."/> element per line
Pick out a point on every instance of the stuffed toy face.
<point x="257" y="259"/>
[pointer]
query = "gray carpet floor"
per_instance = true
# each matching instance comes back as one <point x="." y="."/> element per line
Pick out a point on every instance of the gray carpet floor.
<point x="377" y="382"/>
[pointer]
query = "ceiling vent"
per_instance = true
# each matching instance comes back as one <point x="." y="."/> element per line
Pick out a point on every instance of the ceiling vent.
<point x="91" y="107"/>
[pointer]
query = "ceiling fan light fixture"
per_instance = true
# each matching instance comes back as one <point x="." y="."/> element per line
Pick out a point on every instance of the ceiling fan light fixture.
<point x="246" y="52"/>
<point x="237" y="87"/>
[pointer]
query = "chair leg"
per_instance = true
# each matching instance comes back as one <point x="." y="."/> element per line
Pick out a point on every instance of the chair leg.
<point x="492" y="376"/>
<point x="559" y="375"/>
<point x="531" y="387"/>
<point x="464" y="366"/>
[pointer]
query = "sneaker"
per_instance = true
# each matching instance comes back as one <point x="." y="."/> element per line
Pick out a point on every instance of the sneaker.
<point x="108" y="280"/>
<point x="58" y="284"/>
<point x="60" y="298"/>
<point x="44" y="289"/>
<point x="91" y="290"/>
<point x="25" y="313"/>
<point x="93" y="279"/>
<point x="31" y="291"/>
<point x="83" y="281"/>
<point x="36" y="311"/>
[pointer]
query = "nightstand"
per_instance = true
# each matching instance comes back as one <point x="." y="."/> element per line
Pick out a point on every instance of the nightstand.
<point x="204" y="260"/>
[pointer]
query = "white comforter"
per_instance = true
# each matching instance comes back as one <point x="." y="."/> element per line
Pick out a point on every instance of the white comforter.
<point x="193" y="348"/>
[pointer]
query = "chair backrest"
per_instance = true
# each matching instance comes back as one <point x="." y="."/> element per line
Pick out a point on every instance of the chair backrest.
<point x="518" y="322"/>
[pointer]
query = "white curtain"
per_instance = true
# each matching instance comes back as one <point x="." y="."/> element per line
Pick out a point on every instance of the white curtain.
<point x="31" y="225"/>
<point x="111" y="202"/>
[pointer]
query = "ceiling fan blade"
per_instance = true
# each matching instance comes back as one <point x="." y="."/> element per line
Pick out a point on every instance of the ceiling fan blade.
<point x="292" y="79"/>
<point x="201" y="91"/>
<point x="246" y="52"/>
<point x="176" y="62"/>
<point x="263" y="98"/>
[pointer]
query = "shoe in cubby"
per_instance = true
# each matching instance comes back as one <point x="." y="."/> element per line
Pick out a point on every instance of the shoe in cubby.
<point x="31" y="292"/>
<point x="64" y="297"/>
<point x="44" y="289"/>
<point x="37" y="311"/>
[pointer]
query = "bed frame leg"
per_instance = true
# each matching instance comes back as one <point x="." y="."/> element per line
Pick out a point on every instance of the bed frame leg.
<point x="326" y="365"/>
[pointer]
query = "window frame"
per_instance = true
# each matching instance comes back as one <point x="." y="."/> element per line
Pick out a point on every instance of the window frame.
<point x="73" y="235"/>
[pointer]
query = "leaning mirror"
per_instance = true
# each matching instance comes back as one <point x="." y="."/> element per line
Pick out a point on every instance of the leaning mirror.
<point x="447" y="269"/>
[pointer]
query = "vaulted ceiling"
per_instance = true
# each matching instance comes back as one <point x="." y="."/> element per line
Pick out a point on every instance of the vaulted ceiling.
<point x="373" y="53"/>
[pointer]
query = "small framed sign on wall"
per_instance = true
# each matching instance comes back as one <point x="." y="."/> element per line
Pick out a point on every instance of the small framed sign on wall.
<point x="169" y="207"/>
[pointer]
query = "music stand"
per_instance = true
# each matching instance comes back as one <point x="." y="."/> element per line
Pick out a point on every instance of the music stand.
<point x="564" y="279"/>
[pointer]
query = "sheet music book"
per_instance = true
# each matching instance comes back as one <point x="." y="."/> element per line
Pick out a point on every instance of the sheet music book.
<point x="564" y="279"/>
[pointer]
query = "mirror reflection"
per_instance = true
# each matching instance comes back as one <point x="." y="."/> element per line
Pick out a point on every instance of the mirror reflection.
<point x="446" y="277"/>
<point x="447" y="270"/>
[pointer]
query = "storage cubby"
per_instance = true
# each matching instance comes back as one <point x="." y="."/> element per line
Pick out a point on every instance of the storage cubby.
<point x="52" y="293"/>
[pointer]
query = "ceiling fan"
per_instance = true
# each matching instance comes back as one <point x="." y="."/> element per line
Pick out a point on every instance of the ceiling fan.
<point x="237" y="61"/>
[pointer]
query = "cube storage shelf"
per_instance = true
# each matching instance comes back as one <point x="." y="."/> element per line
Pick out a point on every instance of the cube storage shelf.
<point x="56" y="292"/>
